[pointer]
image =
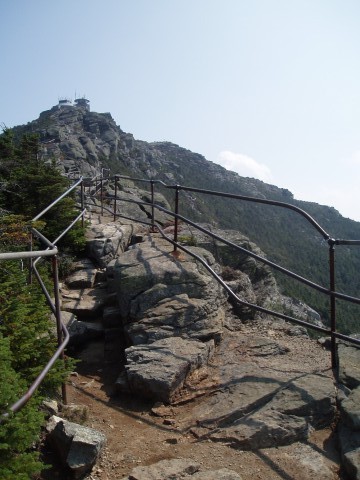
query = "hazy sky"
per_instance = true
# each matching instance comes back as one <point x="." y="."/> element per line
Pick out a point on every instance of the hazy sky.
<point x="267" y="88"/>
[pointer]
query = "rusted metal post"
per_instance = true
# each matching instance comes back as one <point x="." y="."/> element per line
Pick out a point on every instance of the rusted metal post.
<point x="115" y="204"/>
<point x="176" y="218"/>
<point x="152" y="207"/>
<point x="102" y="195"/>
<point x="58" y="319"/>
<point x="30" y="259"/>
<point x="332" y="302"/>
<point x="82" y="203"/>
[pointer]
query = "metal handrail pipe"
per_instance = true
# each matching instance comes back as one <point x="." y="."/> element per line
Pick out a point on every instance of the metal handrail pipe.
<point x="346" y="242"/>
<point x="235" y="297"/>
<point x="44" y="290"/>
<point x="28" y="254"/>
<point x="305" y="281"/>
<point x="41" y="237"/>
<point x="242" y="249"/>
<point x="346" y="338"/>
<point x="276" y="203"/>
<point x="64" y="232"/>
<point x="70" y="226"/>
<point x="58" y="199"/>
<point x="145" y="180"/>
<point x="123" y="216"/>
<point x="30" y="392"/>
<point x="133" y="219"/>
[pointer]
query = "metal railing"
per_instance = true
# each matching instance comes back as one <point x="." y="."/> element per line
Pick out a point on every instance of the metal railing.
<point x="100" y="195"/>
<point x="329" y="291"/>
<point x="35" y="256"/>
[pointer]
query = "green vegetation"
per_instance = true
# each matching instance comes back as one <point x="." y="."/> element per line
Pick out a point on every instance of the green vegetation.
<point x="28" y="185"/>
<point x="27" y="334"/>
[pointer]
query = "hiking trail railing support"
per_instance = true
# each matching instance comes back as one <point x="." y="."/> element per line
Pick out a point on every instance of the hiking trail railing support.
<point x="332" y="302"/>
<point x="59" y="330"/>
<point x="82" y="201"/>
<point x="34" y="256"/>
<point x="176" y="225"/>
<point x="329" y="291"/>
<point x="102" y="195"/>
<point x="152" y="186"/>
<point x="115" y="199"/>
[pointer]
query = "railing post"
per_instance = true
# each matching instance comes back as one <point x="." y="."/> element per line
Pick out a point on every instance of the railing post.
<point x="58" y="319"/>
<point x="332" y="302"/>
<point x="152" y="206"/>
<point x="82" y="203"/>
<point x="30" y="259"/>
<point x="102" y="195"/>
<point x="115" y="203"/>
<point x="176" y="218"/>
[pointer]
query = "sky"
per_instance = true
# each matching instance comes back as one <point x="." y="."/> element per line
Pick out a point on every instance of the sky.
<point x="267" y="88"/>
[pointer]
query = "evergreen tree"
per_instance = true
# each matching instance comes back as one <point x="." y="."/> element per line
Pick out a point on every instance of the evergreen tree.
<point x="27" y="333"/>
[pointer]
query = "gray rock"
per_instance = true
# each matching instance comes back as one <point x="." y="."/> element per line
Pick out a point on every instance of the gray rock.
<point x="82" y="332"/>
<point x="179" y="469"/>
<point x="84" y="278"/>
<point x="158" y="370"/>
<point x="244" y="388"/>
<point x="263" y="429"/>
<point x="111" y="317"/>
<point x="107" y="241"/>
<point x="350" y="451"/>
<point x="88" y="302"/>
<point x="222" y="474"/>
<point x="174" y="469"/>
<point x="162" y="296"/>
<point x="78" y="447"/>
<point x="349" y="365"/>
<point x="350" y="409"/>
<point x="309" y="396"/>
<point x="258" y="412"/>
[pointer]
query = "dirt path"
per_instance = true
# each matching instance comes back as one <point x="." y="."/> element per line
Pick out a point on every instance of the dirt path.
<point x="138" y="437"/>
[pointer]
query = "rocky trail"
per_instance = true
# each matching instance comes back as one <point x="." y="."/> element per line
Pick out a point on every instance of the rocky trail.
<point x="263" y="404"/>
<point x="141" y="433"/>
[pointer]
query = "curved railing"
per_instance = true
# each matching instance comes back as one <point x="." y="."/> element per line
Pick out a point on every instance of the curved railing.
<point x="35" y="256"/>
<point x="100" y="194"/>
<point x="329" y="290"/>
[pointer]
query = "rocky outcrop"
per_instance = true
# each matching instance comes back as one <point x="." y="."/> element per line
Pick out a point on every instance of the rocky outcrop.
<point x="77" y="446"/>
<point x="349" y="401"/>
<point x="159" y="369"/>
<point x="174" y="315"/>
<point x="178" y="469"/>
<point x="288" y="414"/>
<point x="107" y="241"/>
<point x="161" y="295"/>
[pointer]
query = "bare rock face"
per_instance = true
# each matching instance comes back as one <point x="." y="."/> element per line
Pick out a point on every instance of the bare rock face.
<point x="259" y="412"/>
<point x="349" y="365"/>
<point x="78" y="446"/>
<point x="162" y="296"/>
<point x="180" y="469"/>
<point x="107" y="241"/>
<point x="349" y="433"/>
<point x="159" y="369"/>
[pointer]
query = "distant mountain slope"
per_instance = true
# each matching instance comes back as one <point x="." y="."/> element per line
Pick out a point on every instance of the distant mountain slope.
<point x="84" y="142"/>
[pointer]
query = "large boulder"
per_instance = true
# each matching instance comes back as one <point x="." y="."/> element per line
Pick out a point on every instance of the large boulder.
<point x="180" y="469"/>
<point x="158" y="370"/>
<point x="348" y="365"/>
<point x="161" y="295"/>
<point x="270" y="415"/>
<point x="78" y="447"/>
<point x="107" y="241"/>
